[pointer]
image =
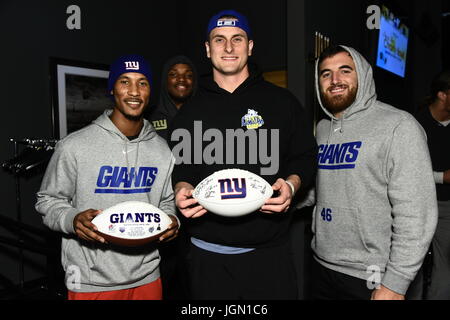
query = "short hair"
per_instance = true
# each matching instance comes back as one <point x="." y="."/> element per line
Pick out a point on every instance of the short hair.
<point x="330" y="52"/>
<point x="440" y="83"/>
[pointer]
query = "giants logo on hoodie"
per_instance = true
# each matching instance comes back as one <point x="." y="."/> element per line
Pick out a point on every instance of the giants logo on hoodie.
<point x="125" y="180"/>
<point x="339" y="156"/>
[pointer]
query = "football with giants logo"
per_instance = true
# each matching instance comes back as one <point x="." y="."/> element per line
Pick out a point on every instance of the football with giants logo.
<point x="232" y="192"/>
<point x="131" y="223"/>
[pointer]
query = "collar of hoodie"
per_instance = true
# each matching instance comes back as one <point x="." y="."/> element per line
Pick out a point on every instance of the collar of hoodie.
<point x="341" y="129"/>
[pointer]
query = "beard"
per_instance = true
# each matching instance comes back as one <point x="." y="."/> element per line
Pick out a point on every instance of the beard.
<point x="337" y="104"/>
<point x="134" y="118"/>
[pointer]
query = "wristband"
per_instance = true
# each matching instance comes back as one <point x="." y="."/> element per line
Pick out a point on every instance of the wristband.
<point x="290" y="185"/>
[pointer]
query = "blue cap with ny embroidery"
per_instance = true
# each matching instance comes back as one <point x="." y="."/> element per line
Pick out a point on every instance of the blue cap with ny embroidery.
<point x="240" y="21"/>
<point x="128" y="63"/>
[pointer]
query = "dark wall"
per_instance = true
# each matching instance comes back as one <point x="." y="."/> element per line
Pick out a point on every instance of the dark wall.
<point x="424" y="58"/>
<point x="268" y="24"/>
<point x="446" y="33"/>
<point x="345" y="23"/>
<point x="341" y="21"/>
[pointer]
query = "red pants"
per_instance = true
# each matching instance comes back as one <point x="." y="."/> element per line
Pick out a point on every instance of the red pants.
<point x="151" y="291"/>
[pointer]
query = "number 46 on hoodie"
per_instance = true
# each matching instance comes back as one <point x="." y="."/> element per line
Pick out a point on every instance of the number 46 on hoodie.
<point x="326" y="214"/>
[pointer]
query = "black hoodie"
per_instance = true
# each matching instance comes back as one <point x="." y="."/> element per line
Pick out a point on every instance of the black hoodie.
<point x="221" y="110"/>
<point x="162" y="115"/>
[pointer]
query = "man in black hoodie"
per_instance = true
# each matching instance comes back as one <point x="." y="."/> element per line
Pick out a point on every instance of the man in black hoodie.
<point x="244" y="257"/>
<point x="179" y="83"/>
<point x="435" y="119"/>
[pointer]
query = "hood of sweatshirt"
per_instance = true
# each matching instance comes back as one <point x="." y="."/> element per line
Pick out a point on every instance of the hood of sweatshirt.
<point x="166" y="107"/>
<point x="366" y="96"/>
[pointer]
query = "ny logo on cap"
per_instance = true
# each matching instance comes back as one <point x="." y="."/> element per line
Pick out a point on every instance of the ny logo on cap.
<point x="132" y="65"/>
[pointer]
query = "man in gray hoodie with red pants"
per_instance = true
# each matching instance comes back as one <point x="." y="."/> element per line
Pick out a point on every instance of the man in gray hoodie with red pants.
<point x="376" y="208"/>
<point x="117" y="158"/>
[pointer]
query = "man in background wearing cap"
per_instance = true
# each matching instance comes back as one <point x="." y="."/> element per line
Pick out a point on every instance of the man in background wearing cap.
<point x="178" y="84"/>
<point x="243" y="257"/>
<point x="119" y="157"/>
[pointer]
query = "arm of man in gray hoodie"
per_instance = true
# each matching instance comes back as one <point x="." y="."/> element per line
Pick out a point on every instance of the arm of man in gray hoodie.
<point x="167" y="204"/>
<point x="54" y="199"/>
<point x="56" y="194"/>
<point x="412" y="194"/>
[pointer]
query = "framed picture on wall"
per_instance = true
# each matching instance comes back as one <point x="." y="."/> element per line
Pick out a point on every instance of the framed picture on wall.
<point x="79" y="94"/>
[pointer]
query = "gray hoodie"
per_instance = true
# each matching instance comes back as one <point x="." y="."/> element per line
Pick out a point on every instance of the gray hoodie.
<point x="376" y="206"/>
<point x="90" y="169"/>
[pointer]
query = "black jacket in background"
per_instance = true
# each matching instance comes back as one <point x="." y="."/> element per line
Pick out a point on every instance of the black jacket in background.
<point x="219" y="109"/>
<point x="161" y="116"/>
<point x="439" y="145"/>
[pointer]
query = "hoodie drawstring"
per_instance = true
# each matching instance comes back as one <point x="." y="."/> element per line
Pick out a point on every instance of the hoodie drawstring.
<point x="135" y="162"/>
<point x="341" y="129"/>
<point x="331" y="131"/>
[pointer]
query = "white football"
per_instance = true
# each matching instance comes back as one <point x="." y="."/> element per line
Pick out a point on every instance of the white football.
<point x="232" y="192"/>
<point x="131" y="223"/>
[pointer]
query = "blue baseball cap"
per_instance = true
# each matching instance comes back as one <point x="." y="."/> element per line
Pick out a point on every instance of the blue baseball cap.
<point x="240" y="22"/>
<point x="128" y="63"/>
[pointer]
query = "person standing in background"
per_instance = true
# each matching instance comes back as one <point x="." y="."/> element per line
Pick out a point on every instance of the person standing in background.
<point x="178" y="85"/>
<point x="435" y="119"/>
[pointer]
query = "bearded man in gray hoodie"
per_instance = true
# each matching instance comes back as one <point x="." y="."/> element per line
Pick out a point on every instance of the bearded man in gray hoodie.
<point x="376" y="209"/>
<point x="117" y="158"/>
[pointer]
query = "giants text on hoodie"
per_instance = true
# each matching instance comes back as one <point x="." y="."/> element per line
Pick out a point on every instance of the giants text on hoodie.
<point x="339" y="156"/>
<point x="125" y="180"/>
